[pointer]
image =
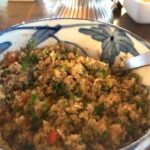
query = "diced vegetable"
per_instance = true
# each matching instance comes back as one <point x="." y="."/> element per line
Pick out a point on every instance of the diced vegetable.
<point x="131" y="128"/>
<point x="25" y="97"/>
<point x="30" y="106"/>
<point x="100" y="72"/>
<point x="45" y="106"/>
<point x="105" y="135"/>
<point x="52" y="138"/>
<point x="59" y="88"/>
<point x="135" y="89"/>
<point x="106" y="88"/>
<point x="31" y="44"/>
<point x="64" y="53"/>
<point x="30" y="77"/>
<point x="12" y="57"/>
<point x="98" y="110"/>
<point x="27" y="147"/>
<point x="28" y="61"/>
<point x="144" y="104"/>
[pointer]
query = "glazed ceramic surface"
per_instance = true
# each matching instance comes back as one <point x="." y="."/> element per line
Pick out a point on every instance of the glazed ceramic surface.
<point x="98" y="40"/>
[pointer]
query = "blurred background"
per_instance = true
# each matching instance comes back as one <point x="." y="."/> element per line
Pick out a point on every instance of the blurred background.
<point x="13" y="12"/>
<point x="17" y="11"/>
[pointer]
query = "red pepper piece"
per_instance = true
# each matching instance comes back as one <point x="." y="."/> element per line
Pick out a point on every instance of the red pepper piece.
<point x="52" y="138"/>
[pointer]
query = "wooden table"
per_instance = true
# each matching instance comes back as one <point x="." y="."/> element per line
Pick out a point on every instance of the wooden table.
<point x="15" y="12"/>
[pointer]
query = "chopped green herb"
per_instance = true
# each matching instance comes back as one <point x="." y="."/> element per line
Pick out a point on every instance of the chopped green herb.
<point x="74" y="96"/>
<point x="127" y="113"/>
<point x="135" y="76"/>
<point x="45" y="106"/>
<point x="135" y="89"/>
<point x="28" y="60"/>
<point x="104" y="135"/>
<point x="31" y="44"/>
<point x="144" y="104"/>
<point x="30" y="106"/>
<point x="130" y="100"/>
<point x="64" y="53"/>
<point x="132" y="128"/>
<point x="85" y="72"/>
<point x="34" y="118"/>
<point x="34" y="98"/>
<point x="59" y="88"/>
<point x="63" y="65"/>
<point x="96" y="70"/>
<point x="27" y="146"/>
<point x="30" y="77"/>
<point x="100" y="72"/>
<point x="106" y="88"/>
<point x="98" y="110"/>
<point x="45" y="51"/>
<point x="68" y="121"/>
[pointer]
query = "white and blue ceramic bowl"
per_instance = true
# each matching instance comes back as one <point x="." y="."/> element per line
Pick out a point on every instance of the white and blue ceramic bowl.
<point x="95" y="39"/>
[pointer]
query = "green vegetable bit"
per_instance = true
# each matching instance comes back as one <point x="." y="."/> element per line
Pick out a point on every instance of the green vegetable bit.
<point x="60" y="88"/>
<point x="100" y="72"/>
<point x="132" y="128"/>
<point x="30" y="106"/>
<point x="106" y="88"/>
<point x="31" y="44"/>
<point x="64" y="53"/>
<point x="98" y="110"/>
<point x="28" y="60"/>
<point x="63" y="65"/>
<point x="45" y="106"/>
<point x="135" y="89"/>
<point x="144" y="104"/>
<point x="104" y="135"/>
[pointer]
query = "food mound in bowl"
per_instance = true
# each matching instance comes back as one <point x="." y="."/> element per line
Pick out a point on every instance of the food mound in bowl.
<point x="52" y="98"/>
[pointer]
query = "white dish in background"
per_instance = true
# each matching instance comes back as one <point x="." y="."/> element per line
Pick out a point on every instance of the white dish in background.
<point x="139" y="10"/>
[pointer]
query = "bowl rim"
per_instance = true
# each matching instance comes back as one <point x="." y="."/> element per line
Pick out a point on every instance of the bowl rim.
<point x="142" y="40"/>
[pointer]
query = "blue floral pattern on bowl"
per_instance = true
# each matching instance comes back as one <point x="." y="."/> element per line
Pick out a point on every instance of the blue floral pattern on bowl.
<point x="4" y="46"/>
<point x="113" y="41"/>
<point x="94" y="39"/>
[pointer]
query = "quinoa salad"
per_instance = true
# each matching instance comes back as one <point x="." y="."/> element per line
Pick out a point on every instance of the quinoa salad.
<point x="52" y="98"/>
